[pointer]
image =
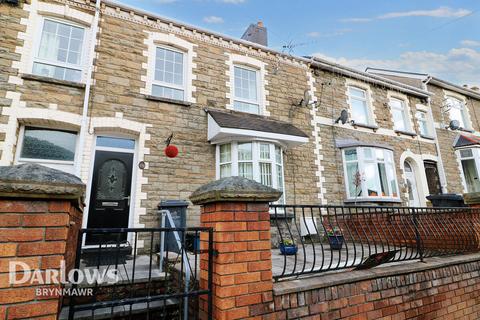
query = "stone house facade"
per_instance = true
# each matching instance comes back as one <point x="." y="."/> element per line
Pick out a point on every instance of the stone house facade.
<point x="234" y="108"/>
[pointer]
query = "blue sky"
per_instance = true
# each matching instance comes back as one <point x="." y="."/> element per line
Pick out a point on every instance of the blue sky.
<point x="438" y="37"/>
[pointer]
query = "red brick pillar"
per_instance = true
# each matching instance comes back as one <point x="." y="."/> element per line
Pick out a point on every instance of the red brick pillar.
<point x="473" y="200"/>
<point x="237" y="210"/>
<point x="40" y="215"/>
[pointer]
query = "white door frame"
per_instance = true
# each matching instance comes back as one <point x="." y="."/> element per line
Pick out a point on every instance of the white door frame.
<point x="412" y="176"/>
<point x="95" y="148"/>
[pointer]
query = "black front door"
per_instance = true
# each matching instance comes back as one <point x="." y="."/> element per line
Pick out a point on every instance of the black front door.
<point x="110" y="195"/>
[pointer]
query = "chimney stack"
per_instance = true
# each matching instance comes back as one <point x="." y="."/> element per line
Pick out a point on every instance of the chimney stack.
<point x="256" y="33"/>
<point x="475" y="88"/>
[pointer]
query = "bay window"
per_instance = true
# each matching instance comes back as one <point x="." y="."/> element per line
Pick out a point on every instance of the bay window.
<point x="59" y="52"/>
<point x="256" y="160"/>
<point x="470" y="168"/>
<point x="370" y="174"/>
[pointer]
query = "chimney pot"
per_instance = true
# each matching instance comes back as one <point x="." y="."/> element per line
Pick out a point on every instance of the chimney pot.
<point x="260" y="24"/>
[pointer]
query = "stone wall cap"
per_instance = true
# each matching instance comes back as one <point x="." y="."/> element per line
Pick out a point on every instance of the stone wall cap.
<point x="235" y="189"/>
<point x="31" y="180"/>
<point x="471" y="198"/>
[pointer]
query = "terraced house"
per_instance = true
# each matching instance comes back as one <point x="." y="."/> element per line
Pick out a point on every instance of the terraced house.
<point x="96" y="92"/>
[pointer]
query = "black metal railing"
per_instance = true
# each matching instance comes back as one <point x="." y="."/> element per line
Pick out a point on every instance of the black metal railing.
<point x="311" y="239"/>
<point x="151" y="273"/>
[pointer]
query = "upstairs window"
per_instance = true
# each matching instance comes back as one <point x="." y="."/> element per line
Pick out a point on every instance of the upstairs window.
<point x="59" y="53"/>
<point x="359" y="105"/>
<point x="458" y="112"/>
<point x="400" y="115"/>
<point x="370" y="174"/>
<point x="246" y="97"/>
<point x="169" y="78"/>
<point x="424" y="128"/>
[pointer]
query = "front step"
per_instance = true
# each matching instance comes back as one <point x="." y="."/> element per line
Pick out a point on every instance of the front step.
<point x="157" y="310"/>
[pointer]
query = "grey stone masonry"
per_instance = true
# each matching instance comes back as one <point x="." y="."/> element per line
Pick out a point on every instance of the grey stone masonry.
<point x="234" y="189"/>
<point x="32" y="180"/>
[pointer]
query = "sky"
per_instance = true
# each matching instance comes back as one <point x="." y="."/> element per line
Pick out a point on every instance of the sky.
<point x="439" y="37"/>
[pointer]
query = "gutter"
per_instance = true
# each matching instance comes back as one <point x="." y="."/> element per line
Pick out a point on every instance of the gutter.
<point x="453" y="87"/>
<point x="307" y="60"/>
<point x="86" y="98"/>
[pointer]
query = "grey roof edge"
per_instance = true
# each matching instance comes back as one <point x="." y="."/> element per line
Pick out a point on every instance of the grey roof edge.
<point x="347" y="143"/>
<point x="209" y="111"/>
<point x="431" y="79"/>
<point x="357" y="74"/>
<point x="453" y="87"/>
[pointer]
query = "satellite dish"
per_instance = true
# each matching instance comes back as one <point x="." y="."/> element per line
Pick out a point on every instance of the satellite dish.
<point x="343" y="117"/>
<point x="454" y="125"/>
<point x="306" y="99"/>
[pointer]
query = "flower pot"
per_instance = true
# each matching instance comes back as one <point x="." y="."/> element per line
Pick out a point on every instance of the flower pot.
<point x="336" y="242"/>
<point x="288" y="249"/>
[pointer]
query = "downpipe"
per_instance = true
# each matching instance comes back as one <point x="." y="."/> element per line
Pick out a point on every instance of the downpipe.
<point x="88" y="85"/>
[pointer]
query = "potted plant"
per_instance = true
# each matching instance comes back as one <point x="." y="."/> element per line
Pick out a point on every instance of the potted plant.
<point x="335" y="237"/>
<point x="288" y="247"/>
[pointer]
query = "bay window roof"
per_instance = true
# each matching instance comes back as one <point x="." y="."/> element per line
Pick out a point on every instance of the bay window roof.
<point x="465" y="140"/>
<point x="231" y="125"/>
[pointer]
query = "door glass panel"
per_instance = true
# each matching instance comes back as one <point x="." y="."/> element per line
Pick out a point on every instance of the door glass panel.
<point x="471" y="175"/>
<point x="112" y="179"/>
<point x="115" y="142"/>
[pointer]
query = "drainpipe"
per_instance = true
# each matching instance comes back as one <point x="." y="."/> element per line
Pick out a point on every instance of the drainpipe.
<point x="86" y="98"/>
<point x="441" y="169"/>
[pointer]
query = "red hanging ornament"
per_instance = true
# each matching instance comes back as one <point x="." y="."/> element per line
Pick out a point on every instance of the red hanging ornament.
<point x="170" y="150"/>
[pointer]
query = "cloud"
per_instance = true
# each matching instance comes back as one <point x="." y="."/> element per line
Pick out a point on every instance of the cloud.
<point x="441" y="12"/>
<point x="213" y="19"/>
<point x="458" y="65"/>
<point x="470" y="43"/>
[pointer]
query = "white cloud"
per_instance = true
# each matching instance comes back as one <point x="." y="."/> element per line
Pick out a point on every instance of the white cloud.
<point x="458" y="65"/>
<point x="441" y="12"/>
<point x="313" y="34"/>
<point x="470" y="43"/>
<point x="213" y="19"/>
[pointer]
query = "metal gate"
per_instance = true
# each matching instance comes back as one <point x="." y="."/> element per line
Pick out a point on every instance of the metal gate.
<point x="131" y="274"/>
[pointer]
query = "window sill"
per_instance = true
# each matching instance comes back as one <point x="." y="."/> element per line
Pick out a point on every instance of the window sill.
<point x="406" y="133"/>
<point x="363" y="200"/>
<point x="427" y="137"/>
<point x="167" y="100"/>
<point x="466" y="130"/>
<point x="66" y="83"/>
<point x="368" y="126"/>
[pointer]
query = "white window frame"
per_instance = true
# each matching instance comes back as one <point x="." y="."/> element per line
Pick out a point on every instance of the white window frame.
<point x="255" y="161"/>
<point x="83" y="55"/>
<point x="185" y="72"/>
<point x="426" y="120"/>
<point x="258" y="88"/>
<point x="476" y="157"/>
<point x="405" y="114"/>
<point x="368" y="104"/>
<point x="63" y="165"/>
<point x="361" y="165"/>
<point x="463" y="110"/>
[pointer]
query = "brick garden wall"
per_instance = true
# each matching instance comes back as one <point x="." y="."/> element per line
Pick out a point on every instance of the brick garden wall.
<point x="440" y="293"/>
<point x="40" y="233"/>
